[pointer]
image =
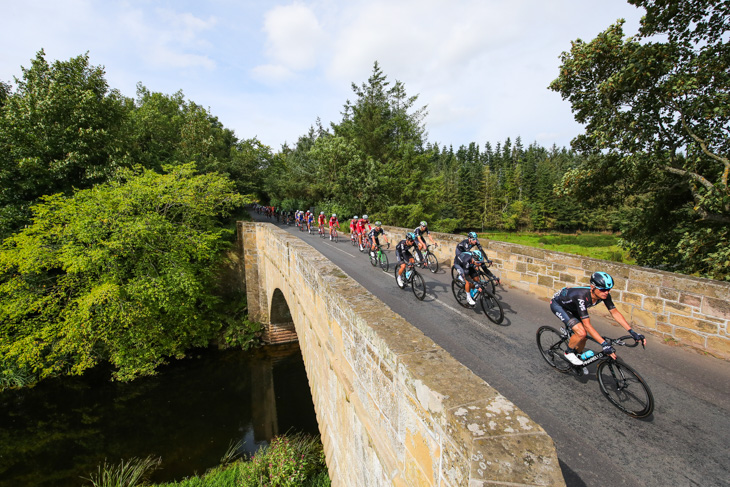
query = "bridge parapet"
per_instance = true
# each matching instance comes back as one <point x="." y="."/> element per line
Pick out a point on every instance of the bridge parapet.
<point x="393" y="407"/>
<point x="689" y="310"/>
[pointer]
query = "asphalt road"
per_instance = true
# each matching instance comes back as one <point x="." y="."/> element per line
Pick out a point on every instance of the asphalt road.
<point x="685" y="442"/>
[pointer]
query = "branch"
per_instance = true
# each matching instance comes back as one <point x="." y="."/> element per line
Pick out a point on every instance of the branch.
<point x="706" y="151"/>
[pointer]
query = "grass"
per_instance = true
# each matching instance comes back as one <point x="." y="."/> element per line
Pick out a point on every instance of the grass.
<point x="294" y="460"/>
<point x="596" y="245"/>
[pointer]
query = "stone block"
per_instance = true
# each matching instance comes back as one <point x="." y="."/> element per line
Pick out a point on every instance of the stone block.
<point x="690" y="299"/>
<point x="643" y="288"/>
<point x="665" y="328"/>
<point x="655" y="305"/>
<point x="669" y="294"/>
<point x="546" y="281"/>
<point x="631" y="298"/>
<point x="567" y="278"/>
<point x="645" y="275"/>
<point x="521" y="267"/>
<point x="719" y="346"/>
<point x="537" y="268"/>
<point x="676" y="307"/>
<point x="716" y="308"/>
<point x="643" y="319"/>
<point x="688" y="337"/>
<point x="690" y="323"/>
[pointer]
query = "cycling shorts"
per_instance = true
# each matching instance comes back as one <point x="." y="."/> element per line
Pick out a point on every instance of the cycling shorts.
<point x="563" y="314"/>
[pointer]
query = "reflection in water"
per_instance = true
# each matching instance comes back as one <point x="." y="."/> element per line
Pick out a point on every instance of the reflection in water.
<point x="188" y="414"/>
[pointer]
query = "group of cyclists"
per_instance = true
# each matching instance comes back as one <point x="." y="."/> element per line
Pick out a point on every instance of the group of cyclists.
<point x="570" y="304"/>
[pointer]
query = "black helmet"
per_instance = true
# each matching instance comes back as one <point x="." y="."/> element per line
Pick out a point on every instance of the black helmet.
<point x="602" y="280"/>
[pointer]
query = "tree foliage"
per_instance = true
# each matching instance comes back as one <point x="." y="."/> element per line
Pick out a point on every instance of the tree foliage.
<point x="658" y="110"/>
<point x="119" y="272"/>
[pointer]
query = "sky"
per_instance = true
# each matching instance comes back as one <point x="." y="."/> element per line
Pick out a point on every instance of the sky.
<point x="268" y="68"/>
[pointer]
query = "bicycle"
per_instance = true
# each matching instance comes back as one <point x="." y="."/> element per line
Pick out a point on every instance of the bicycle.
<point x="619" y="383"/>
<point x="333" y="234"/>
<point x="491" y="306"/>
<point x="378" y="257"/>
<point x="353" y="239"/>
<point x="412" y="277"/>
<point x="321" y="231"/>
<point x="430" y="260"/>
<point x="365" y="247"/>
<point x="489" y="280"/>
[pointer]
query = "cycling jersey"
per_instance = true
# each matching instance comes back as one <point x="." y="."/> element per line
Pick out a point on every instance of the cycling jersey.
<point x="421" y="233"/>
<point x="402" y="251"/>
<point x="321" y="219"/>
<point x="575" y="301"/>
<point x="361" y="225"/>
<point x="376" y="232"/>
<point x="465" y="246"/>
<point x="334" y="221"/>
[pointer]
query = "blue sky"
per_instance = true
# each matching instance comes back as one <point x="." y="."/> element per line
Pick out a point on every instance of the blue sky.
<point x="268" y="69"/>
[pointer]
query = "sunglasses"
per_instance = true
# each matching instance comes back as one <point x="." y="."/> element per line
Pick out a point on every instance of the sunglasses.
<point x="604" y="290"/>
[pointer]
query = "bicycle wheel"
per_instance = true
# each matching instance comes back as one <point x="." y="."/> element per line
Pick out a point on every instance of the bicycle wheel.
<point x="432" y="261"/>
<point x="552" y="346"/>
<point x="395" y="273"/>
<point x="625" y="388"/>
<point x="383" y="261"/>
<point x="457" y="287"/>
<point x="488" y="283"/>
<point x="418" y="285"/>
<point x="374" y="259"/>
<point x="335" y="237"/>
<point x="492" y="307"/>
<point x="453" y="273"/>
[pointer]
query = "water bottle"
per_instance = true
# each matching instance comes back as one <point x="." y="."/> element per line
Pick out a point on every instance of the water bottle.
<point x="473" y="293"/>
<point x="408" y="274"/>
<point x="586" y="355"/>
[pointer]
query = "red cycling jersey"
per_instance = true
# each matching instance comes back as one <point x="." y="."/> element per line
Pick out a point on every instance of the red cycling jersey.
<point x="321" y="219"/>
<point x="361" y="223"/>
<point x="334" y="221"/>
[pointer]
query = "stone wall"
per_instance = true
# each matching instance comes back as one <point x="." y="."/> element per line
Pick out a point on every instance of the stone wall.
<point x="393" y="407"/>
<point x="689" y="310"/>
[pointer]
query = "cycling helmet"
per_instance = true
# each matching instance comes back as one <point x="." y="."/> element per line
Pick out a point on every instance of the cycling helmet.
<point x="602" y="280"/>
<point x="477" y="255"/>
<point x="410" y="236"/>
<point x="321" y="212"/>
<point x="355" y="217"/>
<point x="334" y="215"/>
<point x="377" y="224"/>
<point x="472" y="235"/>
<point x="364" y="217"/>
<point x="423" y="223"/>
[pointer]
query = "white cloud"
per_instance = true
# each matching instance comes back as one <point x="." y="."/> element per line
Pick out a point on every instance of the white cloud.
<point x="294" y="36"/>
<point x="271" y="73"/>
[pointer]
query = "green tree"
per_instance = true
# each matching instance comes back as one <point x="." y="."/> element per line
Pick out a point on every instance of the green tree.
<point x="121" y="272"/>
<point x="62" y="128"/>
<point x="659" y="112"/>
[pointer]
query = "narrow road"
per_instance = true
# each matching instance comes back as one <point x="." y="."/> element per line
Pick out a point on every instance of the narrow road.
<point x="684" y="443"/>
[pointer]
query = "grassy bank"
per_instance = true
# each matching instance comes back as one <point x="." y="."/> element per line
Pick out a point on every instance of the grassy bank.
<point x="595" y="245"/>
<point x="295" y="460"/>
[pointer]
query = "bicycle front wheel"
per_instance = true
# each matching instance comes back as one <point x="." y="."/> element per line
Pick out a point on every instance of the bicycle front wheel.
<point x="373" y="259"/>
<point x="383" y="261"/>
<point x="432" y="261"/>
<point x="418" y="285"/>
<point x="492" y="307"/>
<point x="395" y="273"/>
<point x="552" y="346"/>
<point x="625" y="388"/>
<point x="335" y="238"/>
<point x="457" y="287"/>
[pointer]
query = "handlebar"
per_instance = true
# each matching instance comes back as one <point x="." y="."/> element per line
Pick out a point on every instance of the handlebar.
<point x="622" y="341"/>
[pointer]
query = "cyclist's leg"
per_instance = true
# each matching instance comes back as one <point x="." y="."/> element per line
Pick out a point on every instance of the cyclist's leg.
<point x="579" y="337"/>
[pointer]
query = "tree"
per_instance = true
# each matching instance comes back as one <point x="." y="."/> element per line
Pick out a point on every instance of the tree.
<point x="62" y="128"/>
<point x="659" y="113"/>
<point x="121" y="272"/>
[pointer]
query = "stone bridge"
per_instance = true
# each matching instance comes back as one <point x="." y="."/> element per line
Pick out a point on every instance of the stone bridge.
<point x="393" y="407"/>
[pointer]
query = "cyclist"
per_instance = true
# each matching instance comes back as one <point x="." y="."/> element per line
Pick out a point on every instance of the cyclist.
<point x="571" y="305"/>
<point x="469" y="243"/>
<point x="320" y="219"/>
<point x="403" y="254"/>
<point x="310" y="221"/>
<point x="467" y="265"/>
<point x="420" y="232"/>
<point x="334" y="222"/>
<point x="363" y="227"/>
<point x="353" y="227"/>
<point x="373" y="236"/>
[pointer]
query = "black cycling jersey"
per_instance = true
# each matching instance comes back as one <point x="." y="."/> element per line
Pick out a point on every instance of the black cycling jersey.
<point x="402" y="251"/>
<point x="465" y="246"/>
<point x="419" y="232"/>
<point x="577" y="300"/>
<point x="376" y="232"/>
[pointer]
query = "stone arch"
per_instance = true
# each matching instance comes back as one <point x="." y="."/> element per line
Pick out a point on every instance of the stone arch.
<point x="280" y="328"/>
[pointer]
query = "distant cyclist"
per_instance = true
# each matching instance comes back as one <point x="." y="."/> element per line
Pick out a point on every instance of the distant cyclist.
<point x="467" y="265"/>
<point x="353" y="227"/>
<point x="571" y="305"/>
<point x="320" y="220"/>
<point x="374" y="234"/>
<point x="421" y="232"/>
<point x="468" y="244"/>
<point x="334" y="222"/>
<point x="310" y="220"/>
<point x="403" y="254"/>
<point x="363" y="227"/>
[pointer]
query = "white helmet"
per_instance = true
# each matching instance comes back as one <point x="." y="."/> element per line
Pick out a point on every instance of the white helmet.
<point x="355" y="217"/>
<point x="321" y="212"/>
<point x="365" y="217"/>
<point x="334" y="214"/>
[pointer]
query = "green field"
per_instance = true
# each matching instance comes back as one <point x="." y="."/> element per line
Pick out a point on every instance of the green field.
<point x="595" y="245"/>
